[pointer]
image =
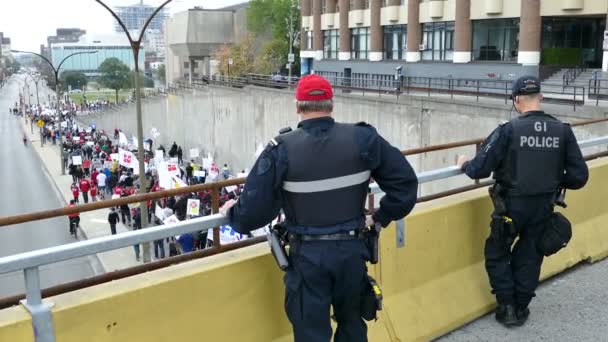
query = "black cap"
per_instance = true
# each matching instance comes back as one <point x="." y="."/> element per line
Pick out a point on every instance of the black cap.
<point x="526" y="85"/>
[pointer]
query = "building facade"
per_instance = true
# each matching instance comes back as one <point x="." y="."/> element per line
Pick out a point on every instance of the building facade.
<point x="135" y="16"/>
<point x="107" y="46"/>
<point x="63" y="35"/>
<point x="450" y="38"/>
<point x="193" y="36"/>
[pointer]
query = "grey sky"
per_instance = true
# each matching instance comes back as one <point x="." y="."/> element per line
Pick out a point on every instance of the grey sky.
<point x="29" y="22"/>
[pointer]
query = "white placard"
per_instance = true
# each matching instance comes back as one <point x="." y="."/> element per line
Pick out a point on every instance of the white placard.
<point x="194" y="153"/>
<point x="122" y="139"/>
<point x="114" y="156"/>
<point x="90" y="143"/>
<point x="159" y="212"/>
<point x="76" y="139"/>
<point x="227" y="235"/>
<point x="199" y="173"/>
<point x="127" y="159"/>
<point x="77" y="160"/>
<point x="64" y="124"/>
<point x="171" y="220"/>
<point x="154" y="133"/>
<point x="158" y="156"/>
<point x="193" y="207"/>
<point x="231" y="188"/>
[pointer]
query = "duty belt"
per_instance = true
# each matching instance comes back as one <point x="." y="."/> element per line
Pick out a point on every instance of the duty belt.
<point x="351" y="235"/>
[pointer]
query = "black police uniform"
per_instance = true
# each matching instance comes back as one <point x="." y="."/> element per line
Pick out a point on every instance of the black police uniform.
<point x="319" y="175"/>
<point x="531" y="157"/>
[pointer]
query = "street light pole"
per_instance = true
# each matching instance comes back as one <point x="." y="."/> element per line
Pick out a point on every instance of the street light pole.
<point x="56" y="74"/>
<point x="136" y="46"/>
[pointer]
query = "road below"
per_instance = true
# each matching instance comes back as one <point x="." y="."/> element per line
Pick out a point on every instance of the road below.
<point x="26" y="188"/>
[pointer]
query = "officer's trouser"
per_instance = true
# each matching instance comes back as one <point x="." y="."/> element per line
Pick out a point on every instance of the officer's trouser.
<point x="514" y="274"/>
<point x="326" y="274"/>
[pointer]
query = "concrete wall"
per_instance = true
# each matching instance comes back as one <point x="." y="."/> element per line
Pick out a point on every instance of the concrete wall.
<point x="231" y="123"/>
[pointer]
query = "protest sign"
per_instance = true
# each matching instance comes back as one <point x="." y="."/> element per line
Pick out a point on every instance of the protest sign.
<point x="193" y="207"/>
<point x="171" y="220"/>
<point x="77" y="160"/>
<point x="122" y="139"/>
<point x="227" y="235"/>
<point x="114" y="156"/>
<point x="127" y="159"/>
<point x="194" y="153"/>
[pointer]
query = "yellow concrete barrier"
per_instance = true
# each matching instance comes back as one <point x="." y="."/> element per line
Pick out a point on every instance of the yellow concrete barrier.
<point x="434" y="284"/>
<point x="16" y="325"/>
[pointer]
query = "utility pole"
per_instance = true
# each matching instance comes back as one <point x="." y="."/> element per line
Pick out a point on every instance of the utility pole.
<point x="136" y="47"/>
<point x="293" y="8"/>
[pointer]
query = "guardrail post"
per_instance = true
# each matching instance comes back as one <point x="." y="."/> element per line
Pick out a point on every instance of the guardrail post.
<point x="477" y="149"/>
<point x="477" y="90"/>
<point x="429" y="88"/>
<point x="42" y="321"/>
<point x="597" y="93"/>
<point x="574" y="94"/>
<point x="215" y="208"/>
<point x="409" y="84"/>
<point x="506" y="91"/>
<point x="451" y="87"/>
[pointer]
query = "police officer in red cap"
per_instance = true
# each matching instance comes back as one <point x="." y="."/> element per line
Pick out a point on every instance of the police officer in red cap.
<point x="318" y="174"/>
<point x="532" y="157"/>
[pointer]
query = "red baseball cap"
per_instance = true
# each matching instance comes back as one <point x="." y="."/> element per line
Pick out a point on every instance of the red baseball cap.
<point x="314" y="88"/>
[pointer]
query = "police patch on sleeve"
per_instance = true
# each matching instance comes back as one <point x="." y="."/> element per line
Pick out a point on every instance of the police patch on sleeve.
<point x="263" y="165"/>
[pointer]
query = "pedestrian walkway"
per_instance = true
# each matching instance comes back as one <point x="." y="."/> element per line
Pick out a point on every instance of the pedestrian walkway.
<point x="93" y="223"/>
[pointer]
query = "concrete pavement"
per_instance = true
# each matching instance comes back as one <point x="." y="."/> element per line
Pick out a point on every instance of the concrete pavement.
<point x="93" y="224"/>
<point x="26" y="188"/>
<point x="572" y="306"/>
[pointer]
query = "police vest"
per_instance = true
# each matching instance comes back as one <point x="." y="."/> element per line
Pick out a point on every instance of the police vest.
<point x="326" y="181"/>
<point x="534" y="163"/>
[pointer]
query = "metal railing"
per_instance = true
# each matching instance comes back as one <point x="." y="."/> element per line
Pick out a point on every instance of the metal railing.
<point x="571" y="74"/>
<point x="217" y="247"/>
<point x="30" y="262"/>
<point x="383" y="85"/>
<point x="598" y="90"/>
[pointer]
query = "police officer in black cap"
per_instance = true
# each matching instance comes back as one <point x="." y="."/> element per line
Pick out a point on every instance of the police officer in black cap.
<point x="318" y="175"/>
<point x="532" y="156"/>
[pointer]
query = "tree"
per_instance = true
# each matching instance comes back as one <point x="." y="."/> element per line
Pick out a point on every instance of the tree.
<point x="272" y="57"/>
<point x="73" y="79"/>
<point x="114" y="75"/>
<point x="46" y="72"/>
<point x="242" y="56"/>
<point x="281" y="20"/>
<point x="161" y="74"/>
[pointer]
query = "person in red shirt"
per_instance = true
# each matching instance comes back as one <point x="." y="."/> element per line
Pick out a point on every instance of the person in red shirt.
<point x="85" y="186"/>
<point x="86" y="165"/>
<point x="94" y="176"/>
<point x="74" y="220"/>
<point x="93" y="192"/>
<point x="75" y="192"/>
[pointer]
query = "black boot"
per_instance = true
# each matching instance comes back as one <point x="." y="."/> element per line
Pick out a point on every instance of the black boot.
<point x="522" y="314"/>
<point x="505" y="314"/>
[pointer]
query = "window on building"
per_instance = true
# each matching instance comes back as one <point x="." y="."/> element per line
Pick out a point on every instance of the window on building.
<point x="331" y="44"/>
<point x="351" y="4"/>
<point x="359" y="42"/>
<point x="395" y="39"/>
<point x="323" y="6"/>
<point x="366" y="4"/>
<point x="309" y="40"/>
<point x="186" y="65"/>
<point x="438" y="41"/>
<point x="495" y="39"/>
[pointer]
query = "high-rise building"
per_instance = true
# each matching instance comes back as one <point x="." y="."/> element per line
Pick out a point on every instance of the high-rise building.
<point x="135" y="16"/>
<point x="450" y="38"/>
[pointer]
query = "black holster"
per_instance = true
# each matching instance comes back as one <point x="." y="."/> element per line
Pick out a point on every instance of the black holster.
<point x="502" y="228"/>
<point x="371" y="300"/>
<point x="371" y="239"/>
<point x="277" y="239"/>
